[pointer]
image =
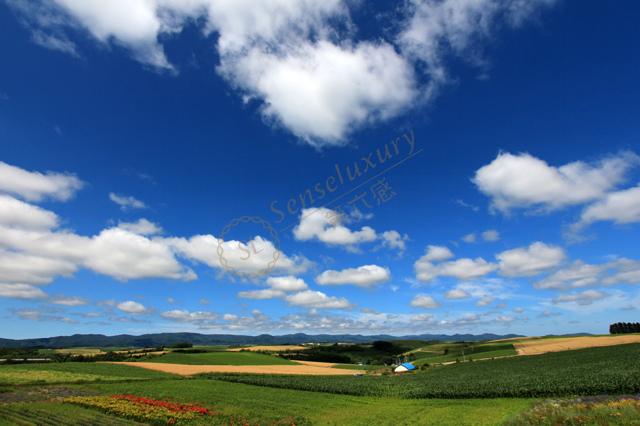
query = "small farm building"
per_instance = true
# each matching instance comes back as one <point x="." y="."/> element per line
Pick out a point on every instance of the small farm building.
<point x="403" y="368"/>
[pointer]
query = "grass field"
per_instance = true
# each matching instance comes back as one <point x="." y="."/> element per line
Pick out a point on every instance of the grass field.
<point x="50" y="413"/>
<point x="72" y="372"/>
<point x="583" y="411"/>
<point x="268" y="406"/>
<point x="612" y="370"/>
<point x="504" y="391"/>
<point x="450" y="352"/>
<point x="219" y="358"/>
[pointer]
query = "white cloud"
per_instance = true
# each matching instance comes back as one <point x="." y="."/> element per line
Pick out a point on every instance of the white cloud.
<point x="286" y="283"/>
<point x="485" y="301"/>
<point x="68" y="301"/>
<point x="126" y="202"/>
<point x="491" y="235"/>
<point x="245" y="258"/>
<point x="187" y="316"/>
<point x="266" y="293"/>
<point x="278" y="288"/>
<point x="131" y="307"/>
<point x="394" y="240"/>
<point x="457" y="293"/>
<point x="55" y="42"/>
<point x="437" y="254"/>
<point x="523" y="181"/>
<point x="424" y="301"/>
<point x="272" y="49"/>
<point x="485" y="291"/>
<point x="436" y="29"/>
<point x="578" y="274"/>
<point x="626" y="271"/>
<point x="362" y="276"/>
<point x="466" y="268"/>
<point x="326" y="225"/>
<point x="36" y="186"/>
<point x="32" y="269"/>
<point x="469" y="238"/>
<point x="322" y="91"/>
<point x="621" y="207"/>
<point x="124" y="255"/>
<point x="529" y="261"/>
<point x="114" y="252"/>
<point x="267" y="50"/>
<point x="16" y="213"/>
<point x="432" y="265"/>
<point x="21" y="291"/>
<point x="317" y="299"/>
<point x="141" y="227"/>
<point x="584" y="298"/>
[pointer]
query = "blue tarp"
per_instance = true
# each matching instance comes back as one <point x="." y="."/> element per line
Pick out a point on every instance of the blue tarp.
<point x="408" y="366"/>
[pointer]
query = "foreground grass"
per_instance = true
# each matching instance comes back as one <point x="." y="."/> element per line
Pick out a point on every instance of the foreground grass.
<point x="219" y="358"/>
<point x="51" y="413"/>
<point x="619" y="411"/>
<point x="267" y="406"/>
<point x="608" y="370"/>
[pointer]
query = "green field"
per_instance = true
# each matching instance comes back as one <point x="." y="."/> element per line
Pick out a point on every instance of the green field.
<point x="73" y="372"/>
<point x="493" y="392"/>
<point x="49" y="413"/>
<point x="268" y="406"/>
<point x="218" y="358"/>
<point x="582" y="411"/>
<point x="612" y="370"/>
<point x="451" y="352"/>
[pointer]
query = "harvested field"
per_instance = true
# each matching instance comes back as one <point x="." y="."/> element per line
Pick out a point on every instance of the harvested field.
<point x="188" y="370"/>
<point x="541" y="346"/>
<point x="317" y="363"/>
<point x="270" y="348"/>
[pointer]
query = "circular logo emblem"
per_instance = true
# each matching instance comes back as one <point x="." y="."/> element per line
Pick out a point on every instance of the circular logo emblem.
<point x="255" y="258"/>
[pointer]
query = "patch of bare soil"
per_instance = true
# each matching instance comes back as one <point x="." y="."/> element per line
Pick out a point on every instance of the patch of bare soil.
<point x="188" y="370"/>
<point x="317" y="363"/>
<point x="541" y="346"/>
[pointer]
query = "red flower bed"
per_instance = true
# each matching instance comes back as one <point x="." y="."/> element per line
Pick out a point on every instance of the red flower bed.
<point x="171" y="406"/>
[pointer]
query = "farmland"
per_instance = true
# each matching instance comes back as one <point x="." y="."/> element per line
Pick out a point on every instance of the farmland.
<point x="72" y="373"/>
<point x="558" y="344"/>
<point x="219" y="358"/>
<point x="490" y="391"/>
<point x="294" y="368"/>
<point x="439" y="353"/>
<point x="613" y="370"/>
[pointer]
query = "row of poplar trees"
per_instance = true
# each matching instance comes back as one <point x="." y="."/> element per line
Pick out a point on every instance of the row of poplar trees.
<point x="624" y="327"/>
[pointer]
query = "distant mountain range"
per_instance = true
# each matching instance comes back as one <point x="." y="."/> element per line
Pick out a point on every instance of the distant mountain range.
<point x="165" y="339"/>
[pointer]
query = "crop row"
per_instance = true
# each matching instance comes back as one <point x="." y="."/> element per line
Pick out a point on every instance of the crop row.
<point x="610" y="370"/>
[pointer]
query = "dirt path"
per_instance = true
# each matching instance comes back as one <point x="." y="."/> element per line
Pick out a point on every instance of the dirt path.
<point x="188" y="370"/>
<point x="541" y="346"/>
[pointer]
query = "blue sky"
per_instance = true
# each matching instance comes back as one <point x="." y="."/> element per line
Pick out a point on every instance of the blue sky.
<point x="132" y="137"/>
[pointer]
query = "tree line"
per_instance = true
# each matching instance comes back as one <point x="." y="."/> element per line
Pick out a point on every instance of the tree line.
<point x="624" y="327"/>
